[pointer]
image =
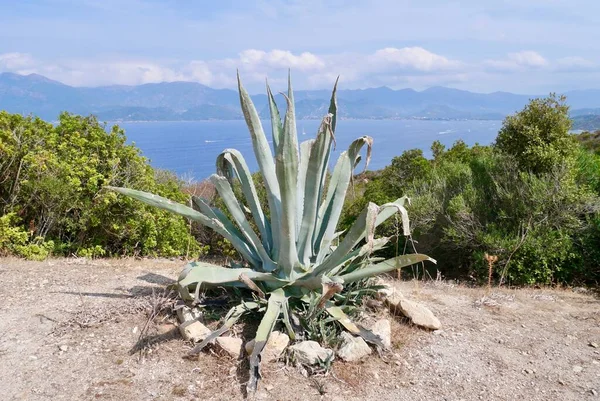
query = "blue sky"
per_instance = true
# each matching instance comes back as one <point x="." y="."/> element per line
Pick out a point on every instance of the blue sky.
<point x="522" y="46"/>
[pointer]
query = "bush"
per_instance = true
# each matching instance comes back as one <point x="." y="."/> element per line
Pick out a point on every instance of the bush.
<point x="14" y="240"/>
<point x="538" y="137"/>
<point x="52" y="177"/>
<point x="474" y="200"/>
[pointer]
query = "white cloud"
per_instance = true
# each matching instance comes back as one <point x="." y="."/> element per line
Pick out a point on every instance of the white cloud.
<point x="519" y="61"/>
<point x="412" y="58"/>
<point x="528" y="59"/>
<point x="575" y="64"/>
<point x="400" y="67"/>
<point x="15" y="61"/>
<point x="280" y="59"/>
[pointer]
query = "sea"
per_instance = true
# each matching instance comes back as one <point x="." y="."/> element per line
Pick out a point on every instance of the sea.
<point x="190" y="149"/>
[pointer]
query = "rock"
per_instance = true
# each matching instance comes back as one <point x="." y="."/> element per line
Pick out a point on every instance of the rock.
<point x="276" y="344"/>
<point x="383" y="329"/>
<point x="353" y="348"/>
<point x="63" y="348"/>
<point x="230" y="345"/>
<point x="165" y="328"/>
<point x="594" y="345"/>
<point x="577" y="369"/>
<point x="194" y="331"/>
<point x="386" y="291"/>
<point x="310" y="353"/>
<point x="417" y="313"/>
<point x="187" y="314"/>
<point x="593" y="392"/>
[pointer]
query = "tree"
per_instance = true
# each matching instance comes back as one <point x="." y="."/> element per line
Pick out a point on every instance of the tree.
<point x="538" y="136"/>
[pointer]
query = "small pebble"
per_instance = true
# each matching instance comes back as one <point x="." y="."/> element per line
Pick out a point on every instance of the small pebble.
<point x="577" y="369"/>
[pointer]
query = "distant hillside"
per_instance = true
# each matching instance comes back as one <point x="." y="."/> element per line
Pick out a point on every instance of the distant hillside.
<point x="587" y="122"/>
<point x="590" y="140"/>
<point x="35" y="94"/>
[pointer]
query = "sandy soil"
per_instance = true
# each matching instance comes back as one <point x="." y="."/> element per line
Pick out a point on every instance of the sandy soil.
<point x="69" y="329"/>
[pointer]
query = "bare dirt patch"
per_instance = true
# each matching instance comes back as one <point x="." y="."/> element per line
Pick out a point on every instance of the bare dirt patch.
<point x="69" y="330"/>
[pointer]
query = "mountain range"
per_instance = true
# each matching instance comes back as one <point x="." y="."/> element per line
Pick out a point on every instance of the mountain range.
<point x="167" y="101"/>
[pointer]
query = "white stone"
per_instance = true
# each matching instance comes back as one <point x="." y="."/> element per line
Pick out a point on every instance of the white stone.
<point x="186" y="314"/>
<point x="383" y="329"/>
<point x="310" y="353"/>
<point x="230" y="345"/>
<point x="276" y="344"/>
<point x="417" y="313"/>
<point x="387" y="291"/>
<point x="194" y="331"/>
<point x="353" y="348"/>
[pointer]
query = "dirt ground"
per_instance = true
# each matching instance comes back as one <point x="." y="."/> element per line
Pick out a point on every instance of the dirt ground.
<point x="69" y="329"/>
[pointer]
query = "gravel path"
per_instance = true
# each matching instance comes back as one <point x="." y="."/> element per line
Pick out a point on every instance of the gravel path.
<point x="68" y="331"/>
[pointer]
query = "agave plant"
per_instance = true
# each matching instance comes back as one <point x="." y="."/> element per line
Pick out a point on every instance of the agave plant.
<point x="295" y="252"/>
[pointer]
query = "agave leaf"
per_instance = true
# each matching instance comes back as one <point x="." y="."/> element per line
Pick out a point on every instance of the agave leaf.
<point x="328" y="290"/>
<point x="252" y="285"/>
<point x="163" y="203"/>
<point x="231" y="162"/>
<point x="274" y="306"/>
<point x="287" y="175"/>
<point x="233" y="205"/>
<point x="383" y="267"/>
<point x="285" y="308"/>
<point x="331" y="208"/>
<point x="231" y="318"/>
<point x="333" y="106"/>
<point x="364" y="223"/>
<point x="276" y="125"/>
<point x="305" y="151"/>
<point x="206" y="274"/>
<point x="389" y="209"/>
<point x="314" y="177"/>
<point x="263" y="154"/>
<point x="337" y="313"/>
<point x="359" y="256"/>
<point x="248" y="251"/>
<point x="364" y="227"/>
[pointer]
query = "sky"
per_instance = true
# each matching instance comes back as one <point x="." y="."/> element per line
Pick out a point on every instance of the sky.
<point x="519" y="46"/>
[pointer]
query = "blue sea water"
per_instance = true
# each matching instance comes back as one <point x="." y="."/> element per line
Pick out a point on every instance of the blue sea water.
<point x="190" y="148"/>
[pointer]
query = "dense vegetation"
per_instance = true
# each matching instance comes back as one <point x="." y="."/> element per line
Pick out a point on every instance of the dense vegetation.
<point x="52" y="198"/>
<point x="532" y="198"/>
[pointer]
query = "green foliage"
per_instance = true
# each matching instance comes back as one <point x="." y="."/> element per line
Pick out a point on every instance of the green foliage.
<point x="589" y="141"/>
<point x="542" y="226"/>
<point x="14" y="240"/>
<point x="52" y="177"/>
<point x="538" y="136"/>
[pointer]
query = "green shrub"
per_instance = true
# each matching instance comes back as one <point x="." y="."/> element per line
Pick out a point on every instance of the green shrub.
<point x="14" y="240"/>
<point x="53" y="178"/>
<point x="539" y="135"/>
